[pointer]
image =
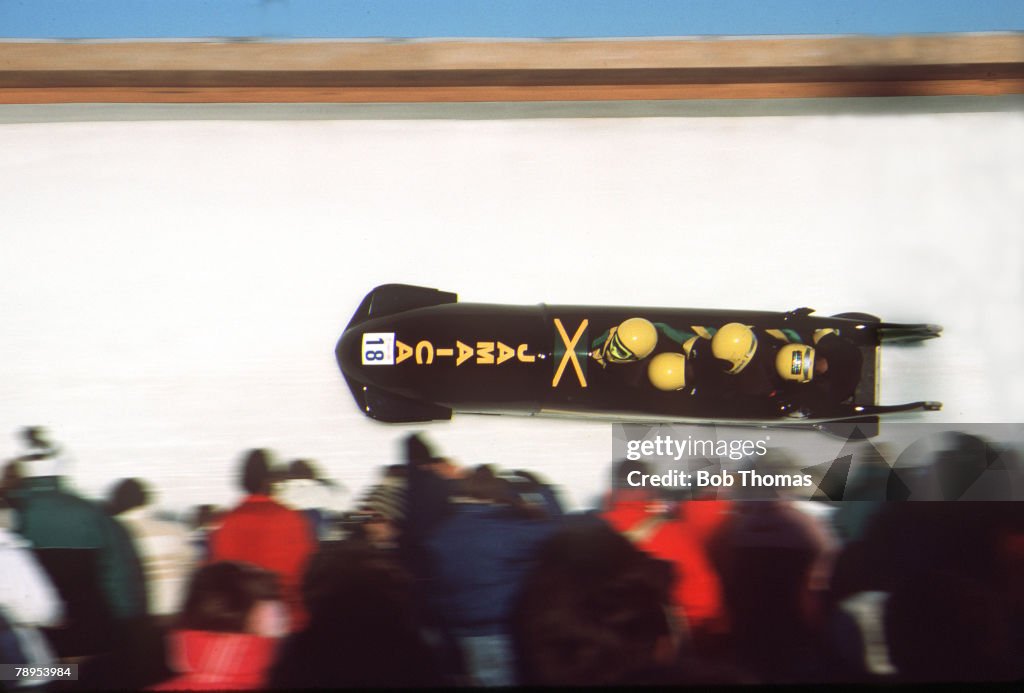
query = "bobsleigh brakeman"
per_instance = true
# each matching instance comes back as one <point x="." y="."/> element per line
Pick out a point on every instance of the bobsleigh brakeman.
<point x="413" y="354"/>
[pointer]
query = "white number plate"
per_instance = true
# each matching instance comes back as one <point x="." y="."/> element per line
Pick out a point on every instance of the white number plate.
<point x="378" y="348"/>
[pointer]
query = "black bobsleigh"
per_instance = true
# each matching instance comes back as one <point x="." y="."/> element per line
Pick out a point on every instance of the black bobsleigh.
<point x="414" y="354"/>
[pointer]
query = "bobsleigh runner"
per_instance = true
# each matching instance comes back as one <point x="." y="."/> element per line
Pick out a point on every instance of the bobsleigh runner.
<point x="413" y="354"/>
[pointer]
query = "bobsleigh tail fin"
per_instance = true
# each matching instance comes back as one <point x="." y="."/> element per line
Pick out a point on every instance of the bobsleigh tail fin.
<point x="388" y="299"/>
<point x="391" y="408"/>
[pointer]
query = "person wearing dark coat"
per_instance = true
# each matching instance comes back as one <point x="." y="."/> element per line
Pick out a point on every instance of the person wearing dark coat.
<point x="92" y="561"/>
<point x="480" y="555"/>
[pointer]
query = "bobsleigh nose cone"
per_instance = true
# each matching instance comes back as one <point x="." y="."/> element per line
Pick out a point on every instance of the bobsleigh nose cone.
<point x="348" y="353"/>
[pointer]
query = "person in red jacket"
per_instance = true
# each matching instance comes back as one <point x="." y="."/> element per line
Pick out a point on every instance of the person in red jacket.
<point x="226" y="637"/>
<point x="645" y="519"/>
<point x="265" y="533"/>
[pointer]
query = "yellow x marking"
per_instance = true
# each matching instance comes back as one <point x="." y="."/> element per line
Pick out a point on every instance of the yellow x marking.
<point x="570" y="353"/>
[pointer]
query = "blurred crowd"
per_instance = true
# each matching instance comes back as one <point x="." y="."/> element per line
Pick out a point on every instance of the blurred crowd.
<point x="443" y="574"/>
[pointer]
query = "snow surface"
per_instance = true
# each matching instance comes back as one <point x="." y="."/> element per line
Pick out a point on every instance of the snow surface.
<point x="173" y="287"/>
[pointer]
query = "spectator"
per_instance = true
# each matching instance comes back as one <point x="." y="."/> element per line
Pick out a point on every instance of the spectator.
<point x="480" y="554"/>
<point x="652" y="525"/>
<point x="228" y="630"/>
<point x="28" y="602"/>
<point x="868" y="489"/>
<point x="363" y="631"/>
<point x="26" y="593"/>
<point x="774" y="561"/>
<point x="908" y="542"/>
<point x="381" y="512"/>
<point x="951" y="628"/>
<point x="949" y="580"/>
<point x="594" y="611"/>
<point x="10" y="479"/>
<point x="264" y="533"/>
<point x="88" y="555"/>
<point x="168" y="556"/>
<point x="321" y="500"/>
<point x="205" y="519"/>
<point x="533" y="490"/>
<point x="432" y="481"/>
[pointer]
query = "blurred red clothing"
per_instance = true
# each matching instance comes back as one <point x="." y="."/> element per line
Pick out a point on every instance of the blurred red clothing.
<point x="697" y="592"/>
<point x="704" y="517"/>
<point x="210" y="661"/>
<point x="265" y="533"/>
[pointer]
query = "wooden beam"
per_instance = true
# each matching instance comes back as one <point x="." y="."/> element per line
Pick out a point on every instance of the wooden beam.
<point x="563" y="70"/>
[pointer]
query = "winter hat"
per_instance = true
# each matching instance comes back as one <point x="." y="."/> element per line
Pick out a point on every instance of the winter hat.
<point x="42" y="457"/>
<point x="386" y="499"/>
<point x="417" y="451"/>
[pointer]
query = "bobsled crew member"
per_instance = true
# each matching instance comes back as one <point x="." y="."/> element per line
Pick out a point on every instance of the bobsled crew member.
<point x="736" y="344"/>
<point x="667" y="371"/>
<point x="737" y="360"/>
<point x="795" y="363"/>
<point x="632" y="340"/>
<point x="826" y="371"/>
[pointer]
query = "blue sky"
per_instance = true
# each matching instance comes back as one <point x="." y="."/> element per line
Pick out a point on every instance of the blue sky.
<point x="282" y="19"/>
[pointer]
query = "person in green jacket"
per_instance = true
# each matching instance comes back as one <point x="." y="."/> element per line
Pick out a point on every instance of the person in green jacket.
<point x="70" y="535"/>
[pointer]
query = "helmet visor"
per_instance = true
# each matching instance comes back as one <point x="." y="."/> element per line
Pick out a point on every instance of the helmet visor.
<point x="801" y="365"/>
<point x="616" y="351"/>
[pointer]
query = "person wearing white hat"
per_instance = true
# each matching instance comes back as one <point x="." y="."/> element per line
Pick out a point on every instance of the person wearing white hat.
<point x="88" y="554"/>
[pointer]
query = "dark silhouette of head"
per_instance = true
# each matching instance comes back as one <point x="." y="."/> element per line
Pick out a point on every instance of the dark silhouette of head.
<point x="363" y="629"/>
<point x="301" y="469"/>
<point x="765" y="554"/>
<point x="593" y="611"/>
<point x="483" y="484"/>
<point x="623" y="468"/>
<point x="127" y="494"/>
<point x="257" y="476"/>
<point x="418" y="451"/>
<point x="222" y="595"/>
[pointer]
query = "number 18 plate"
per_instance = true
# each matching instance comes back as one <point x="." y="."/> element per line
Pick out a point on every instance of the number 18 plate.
<point x="378" y="348"/>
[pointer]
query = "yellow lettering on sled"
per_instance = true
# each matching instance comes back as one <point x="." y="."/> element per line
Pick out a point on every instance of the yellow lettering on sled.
<point x="505" y="352"/>
<point x="425" y="352"/>
<point x="485" y="352"/>
<point x="465" y="353"/>
<point x="404" y="351"/>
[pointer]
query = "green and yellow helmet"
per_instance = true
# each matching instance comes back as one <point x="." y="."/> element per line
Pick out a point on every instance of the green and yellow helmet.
<point x="632" y="340"/>
<point x="795" y="362"/>
<point x="735" y="343"/>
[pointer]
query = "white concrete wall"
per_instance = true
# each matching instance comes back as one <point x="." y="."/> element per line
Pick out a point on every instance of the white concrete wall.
<point x="172" y="289"/>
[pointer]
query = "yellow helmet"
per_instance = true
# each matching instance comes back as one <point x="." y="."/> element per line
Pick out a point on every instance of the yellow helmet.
<point x="667" y="371"/>
<point x="795" y="362"/>
<point x="736" y="344"/>
<point x="632" y="340"/>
